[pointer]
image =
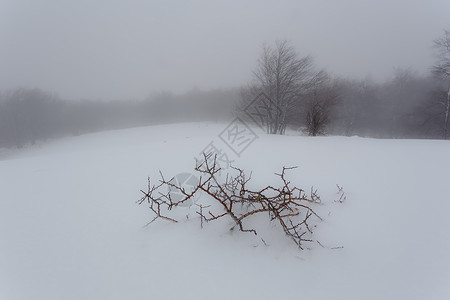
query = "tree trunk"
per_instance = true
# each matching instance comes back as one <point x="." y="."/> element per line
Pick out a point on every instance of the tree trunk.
<point x="447" y="112"/>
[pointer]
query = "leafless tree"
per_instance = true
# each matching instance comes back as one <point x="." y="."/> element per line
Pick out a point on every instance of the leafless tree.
<point x="442" y="71"/>
<point x="442" y="44"/>
<point x="284" y="79"/>
<point x="318" y="108"/>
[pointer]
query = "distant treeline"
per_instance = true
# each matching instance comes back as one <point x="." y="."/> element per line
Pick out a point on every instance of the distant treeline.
<point x="407" y="106"/>
<point x="31" y="115"/>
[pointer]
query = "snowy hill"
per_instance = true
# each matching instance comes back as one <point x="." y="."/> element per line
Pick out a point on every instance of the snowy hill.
<point x="70" y="227"/>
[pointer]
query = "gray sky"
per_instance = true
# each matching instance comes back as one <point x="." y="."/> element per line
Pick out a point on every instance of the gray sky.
<point x="115" y="49"/>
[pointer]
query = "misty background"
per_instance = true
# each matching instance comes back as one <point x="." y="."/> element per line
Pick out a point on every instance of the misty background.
<point x="70" y="67"/>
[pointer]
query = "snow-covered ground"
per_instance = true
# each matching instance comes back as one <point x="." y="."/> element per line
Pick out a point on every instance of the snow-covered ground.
<point x="70" y="227"/>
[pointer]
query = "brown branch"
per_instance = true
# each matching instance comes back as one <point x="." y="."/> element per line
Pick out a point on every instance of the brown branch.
<point x="288" y="205"/>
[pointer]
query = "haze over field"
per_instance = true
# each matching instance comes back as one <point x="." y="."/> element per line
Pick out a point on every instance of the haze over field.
<point x="95" y="96"/>
<point x="70" y="227"/>
<point x="129" y="49"/>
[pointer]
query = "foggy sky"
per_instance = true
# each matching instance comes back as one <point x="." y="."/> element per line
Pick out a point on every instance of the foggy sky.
<point x="120" y="49"/>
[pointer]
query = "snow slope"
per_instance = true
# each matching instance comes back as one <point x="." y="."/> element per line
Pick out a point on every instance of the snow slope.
<point x="70" y="227"/>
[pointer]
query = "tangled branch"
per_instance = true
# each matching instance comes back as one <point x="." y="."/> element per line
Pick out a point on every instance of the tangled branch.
<point x="287" y="205"/>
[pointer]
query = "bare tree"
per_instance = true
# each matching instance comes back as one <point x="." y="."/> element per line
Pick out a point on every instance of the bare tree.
<point x="442" y="44"/>
<point x="318" y="108"/>
<point x="284" y="79"/>
<point x="442" y="71"/>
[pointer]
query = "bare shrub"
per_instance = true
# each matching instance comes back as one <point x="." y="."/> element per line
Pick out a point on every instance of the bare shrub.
<point x="287" y="205"/>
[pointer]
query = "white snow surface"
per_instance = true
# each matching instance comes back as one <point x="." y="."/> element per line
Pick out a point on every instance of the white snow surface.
<point x="70" y="227"/>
